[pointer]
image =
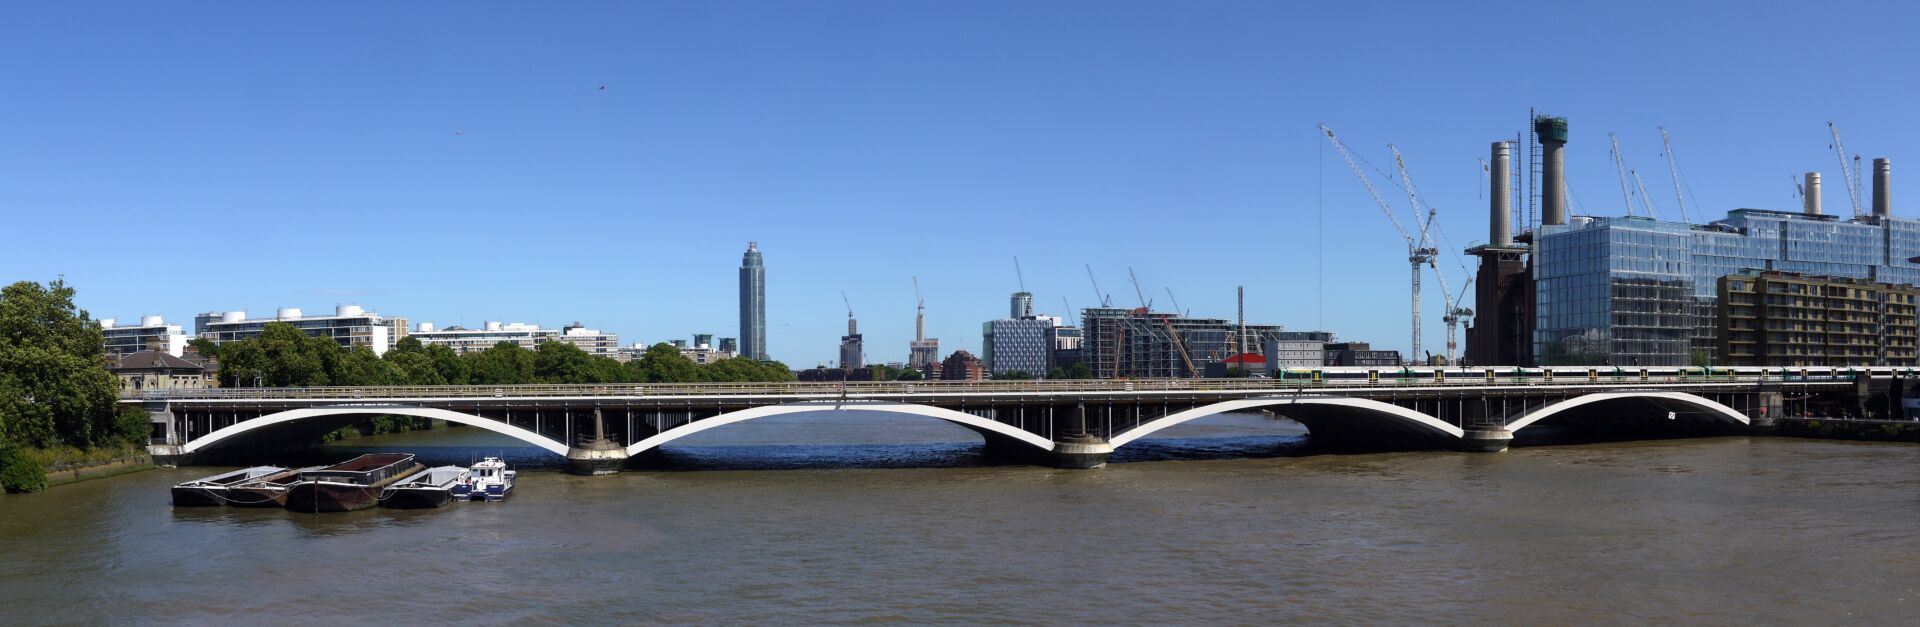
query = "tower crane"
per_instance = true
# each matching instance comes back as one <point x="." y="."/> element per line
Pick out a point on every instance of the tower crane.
<point x="1620" y="168"/>
<point x="1018" y="274"/>
<point x="1646" y="199"/>
<point x="1450" y="312"/>
<point x="919" y="311"/>
<point x="843" y="298"/>
<point x="1849" y="173"/>
<point x="1419" y="252"/>
<point x="1673" y="167"/>
<point x="1105" y="301"/>
<point x="1145" y="305"/>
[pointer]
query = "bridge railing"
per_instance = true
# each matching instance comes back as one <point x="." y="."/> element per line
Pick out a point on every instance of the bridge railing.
<point x="870" y="388"/>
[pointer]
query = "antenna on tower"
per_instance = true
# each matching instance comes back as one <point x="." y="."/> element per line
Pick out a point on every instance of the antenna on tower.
<point x="1018" y="274"/>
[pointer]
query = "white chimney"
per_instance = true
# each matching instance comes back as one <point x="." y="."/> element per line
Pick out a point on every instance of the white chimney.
<point x="1812" y="194"/>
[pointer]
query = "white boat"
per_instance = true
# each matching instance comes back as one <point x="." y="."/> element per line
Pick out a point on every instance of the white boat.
<point x="488" y="480"/>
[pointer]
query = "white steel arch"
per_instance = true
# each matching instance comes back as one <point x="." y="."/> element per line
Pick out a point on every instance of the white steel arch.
<point x="1413" y="417"/>
<point x="949" y="415"/>
<point x="496" y="426"/>
<point x="1596" y="397"/>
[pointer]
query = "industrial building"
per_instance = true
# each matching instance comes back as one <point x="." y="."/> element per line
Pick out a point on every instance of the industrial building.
<point x="1635" y="290"/>
<point x="1788" y="319"/>
<point x="349" y="325"/>
<point x="151" y="333"/>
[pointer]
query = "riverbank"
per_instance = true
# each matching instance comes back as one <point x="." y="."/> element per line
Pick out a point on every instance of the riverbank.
<point x="58" y="475"/>
<point x="1848" y="429"/>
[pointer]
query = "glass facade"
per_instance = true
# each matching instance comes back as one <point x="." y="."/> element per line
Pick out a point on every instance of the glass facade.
<point x="1636" y="291"/>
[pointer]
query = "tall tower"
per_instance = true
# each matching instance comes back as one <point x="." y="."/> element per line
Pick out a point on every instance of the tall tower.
<point x="753" y="304"/>
<point x="852" y="349"/>
<point x="1022" y="305"/>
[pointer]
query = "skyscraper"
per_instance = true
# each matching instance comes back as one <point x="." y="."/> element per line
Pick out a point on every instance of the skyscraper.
<point x="753" y="304"/>
<point x="1021" y="306"/>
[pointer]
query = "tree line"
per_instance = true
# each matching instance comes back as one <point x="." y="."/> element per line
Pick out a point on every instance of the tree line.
<point x="283" y="356"/>
<point x="55" y="390"/>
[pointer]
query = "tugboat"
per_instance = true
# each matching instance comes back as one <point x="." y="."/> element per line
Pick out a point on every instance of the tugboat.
<point x="349" y="485"/>
<point x="426" y="489"/>
<point x="265" y="491"/>
<point x="213" y="490"/>
<point x="488" y="480"/>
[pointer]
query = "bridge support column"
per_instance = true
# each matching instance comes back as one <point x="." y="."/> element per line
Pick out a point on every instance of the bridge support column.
<point x="1769" y="407"/>
<point x="1080" y="450"/>
<point x="166" y="455"/>
<point x="1486" y="439"/>
<point x="599" y="456"/>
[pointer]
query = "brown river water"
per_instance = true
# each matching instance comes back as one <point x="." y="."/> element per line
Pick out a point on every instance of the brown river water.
<point x="836" y="518"/>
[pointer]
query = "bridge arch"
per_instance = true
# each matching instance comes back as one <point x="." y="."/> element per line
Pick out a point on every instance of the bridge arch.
<point x="1395" y="414"/>
<point x="1660" y="398"/>
<point x="984" y="426"/>
<point x="305" y="413"/>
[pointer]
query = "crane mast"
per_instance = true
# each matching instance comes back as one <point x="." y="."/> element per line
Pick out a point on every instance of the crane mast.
<point x="1673" y="168"/>
<point x="1849" y="173"/>
<point x="1418" y="253"/>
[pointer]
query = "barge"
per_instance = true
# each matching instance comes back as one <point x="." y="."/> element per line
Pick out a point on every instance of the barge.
<point x="426" y="489"/>
<point x="213" y="490"/>
<point x="350" y="485"/>
<point x="265" y="491"/>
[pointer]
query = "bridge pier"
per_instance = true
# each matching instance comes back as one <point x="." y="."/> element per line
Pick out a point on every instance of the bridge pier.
<point x="1486" y="439"/>
<point x="599" y="455"/>
<point x="1080" y="451"/>
<point x="166" y="455"/>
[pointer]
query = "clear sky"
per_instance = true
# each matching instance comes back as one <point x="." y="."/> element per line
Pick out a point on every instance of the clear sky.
<point x="460" y="162"/>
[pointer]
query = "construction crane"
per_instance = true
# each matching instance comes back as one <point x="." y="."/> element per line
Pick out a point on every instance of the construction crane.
<point x="1620" y="168"/>
<point x="1176" y="302"/>
<point x="1673" y="167"/>
<point x="1849" y="173"/>
<point x="1452" y="313"/>
<point x="1145" y="305"/>
<point x="1105" y="301"/>
<point x="1646" y="199"/>
<point x="843" y="298"/>
<point x="1419" y="253"/>
<point x="919" y="311"/>
<point x="1069" y="309"/>
<point x="1018" y="274"/>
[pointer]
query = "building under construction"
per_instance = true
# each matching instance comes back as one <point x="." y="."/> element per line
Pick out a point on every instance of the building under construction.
<point x="1637" y="290"/>
<point x="1142" y="344"/>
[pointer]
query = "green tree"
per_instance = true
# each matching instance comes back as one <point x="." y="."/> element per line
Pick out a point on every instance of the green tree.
<point x="280" y="356"/>
<point x="503" y="364"/>
<point x="205" y="347"/>
<point x="20" y="472"/>
<point x="560" y="362"/>
<point x="54" y="385"/>
<point x="448" y="364"/>
<point x="663" y="363"/>
<point x="910" y="374"/>
<point x="414" y="367"/>
<point x="1013" y="375"/>
<point x="359" y="366"/>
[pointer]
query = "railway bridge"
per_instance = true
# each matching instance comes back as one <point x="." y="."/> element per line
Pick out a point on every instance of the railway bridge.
<point x="1068" y="424"/>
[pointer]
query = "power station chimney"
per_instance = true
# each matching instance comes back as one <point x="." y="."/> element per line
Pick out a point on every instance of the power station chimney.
<point x="1812" y="194"/>
<point x="1500" y="221"/>
<point x="1553" y="170"/>
<point x="1883" y="187"/>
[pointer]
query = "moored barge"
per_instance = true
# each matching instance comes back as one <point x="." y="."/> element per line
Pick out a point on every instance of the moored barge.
<point x="213" y="490"/>
<point x="426" y="489"/>
<point x="265" y="491"/>
<point x="350" y="485"/>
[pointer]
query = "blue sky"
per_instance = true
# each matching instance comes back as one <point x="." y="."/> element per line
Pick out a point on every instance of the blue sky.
<point x="458" y="162"/>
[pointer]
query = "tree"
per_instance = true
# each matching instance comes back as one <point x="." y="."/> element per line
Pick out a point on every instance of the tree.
<point x="19" y="472"/>
<point x="414" y="367"/>
<point x="1075" y="371"/>
<point x="280" y="356"/>
<point x="1013" y="375"/>
<point x="663" y="363"/>
<point x="448" y="364"/>
<point x="560" y="362"/>
<point x="54" y="384"/>
<point x="361" y="367"/>
<point x="911" y="374"/>
<point x="503" y="364"/>
<point x="205" y="347"/>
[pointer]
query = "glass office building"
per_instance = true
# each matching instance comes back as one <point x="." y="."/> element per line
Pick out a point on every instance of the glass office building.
<point x="1628" y="291"/>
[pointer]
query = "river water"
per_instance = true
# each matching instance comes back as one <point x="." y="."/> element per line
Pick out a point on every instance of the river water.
<point x="842" y="518"/>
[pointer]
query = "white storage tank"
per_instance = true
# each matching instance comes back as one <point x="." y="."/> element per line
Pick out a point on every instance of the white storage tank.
<point x="234" y="316"/>
<point x="348" y="311"/>
<point x="493" y="326"/>
<point x="152" y="321"/>
<point x="107" y="323"/>
<point x="426" y="327"/>
<point x="288" y="313"/>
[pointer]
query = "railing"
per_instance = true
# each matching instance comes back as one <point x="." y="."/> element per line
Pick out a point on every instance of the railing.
<point x="893" y="388"/>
